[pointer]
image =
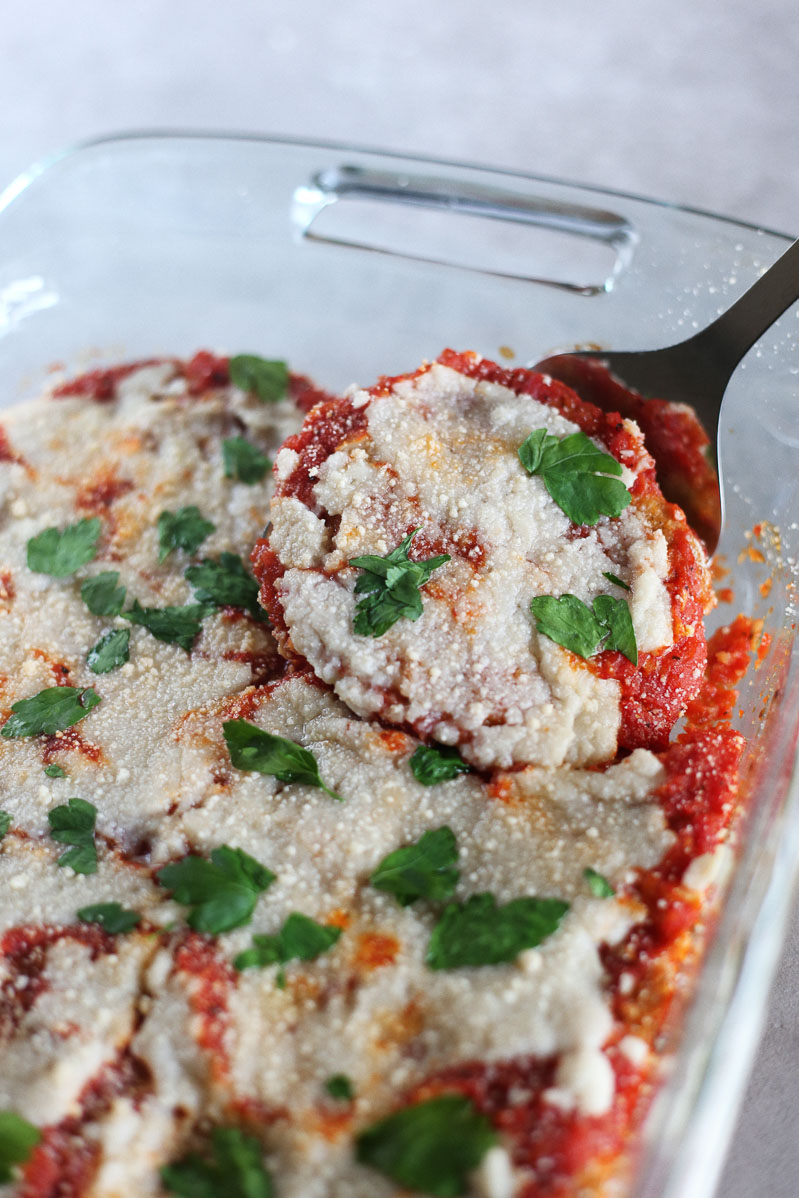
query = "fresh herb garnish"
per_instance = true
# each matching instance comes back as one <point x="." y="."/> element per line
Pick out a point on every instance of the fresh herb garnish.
<point x="184" y="529"/>
<point x="244" y="461"/>
<point x="52" y="710"/>
<point x="340" y="1087"/>
<point x="614" y="616"/>
<point x="112" y="917"/>
<point x="110" y="652"/>
<point x="18" y="1138"/>
<point x="607" y="624"/>
<point x="55" y="771"/>
<point x="422" y="870"/>
<point x="73" y="824"/>
<point x="175" y="625"/>
<point x="431" y="764"/>
<point x="391" y="584"/>
<point x="101" y="594"/>
<point x="251" y="748"/>
<point x="226" y="582"/>
<point x="478" y="932"/>
<point x="615" y="579"/>
<point x="431" y="1147"/>
<point x="63" y="551"/>
<point x="598" y="884"/>
<point x="5" y="823"/>
<point x="300" y="939"/>
<point x="222" y="892"/>
<point x="234" y="1169"/>
<point x="264" y="377"/>
<point x="576" y="473"/>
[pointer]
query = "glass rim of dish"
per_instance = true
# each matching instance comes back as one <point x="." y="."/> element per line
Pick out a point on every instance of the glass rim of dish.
<point x="44" y="164"/>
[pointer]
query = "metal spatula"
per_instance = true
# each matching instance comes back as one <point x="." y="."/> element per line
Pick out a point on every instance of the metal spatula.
<point x="696" y="371"/>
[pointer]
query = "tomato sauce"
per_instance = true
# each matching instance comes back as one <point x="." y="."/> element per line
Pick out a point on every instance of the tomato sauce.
<point x="97" y="495"/>
<point x="729" y="652"/>
<point x="375" y="949"/>
<point x="213" y="979"/>
<point x="101" y="385"/>
<point x="563" y="1151"/>
<point x="328" y="426"/>
<point x="70" y="740"/>
<point x="7" y="451"/>
<point x="23" y="950"/>
<point x="66" y="1159"/>
<point x="203" y="372"/>
<point x="655" y="692"/>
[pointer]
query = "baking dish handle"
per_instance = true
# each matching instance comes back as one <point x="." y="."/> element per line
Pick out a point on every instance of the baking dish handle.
<point x="597" y="229"/>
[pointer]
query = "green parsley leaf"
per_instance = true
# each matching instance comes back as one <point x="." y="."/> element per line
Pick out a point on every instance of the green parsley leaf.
<point x="431" y="764"/>
<point x="244" y="461"/>
<point x="226" y="582"/>
<point x="175" y="625"/>
<point x="62" y="552"/>
<point x="340" y="1087"/>
<point x="569" y="622"/>
<point x="234" y="1169"/>
<point x="184" y="529"/>
<point x="222" y="892"/>
<point x="300" y="939"/>
<point x="478" y="932"/>
<point x="55" y="771"/>
<point x="18" y="1138"/>
<point x="101" y="594"/>
<point x="251" y="748"/>
<point x="585" y="630"/>
<point x="5" y="823"/>
<point x="575" y="472"/>
<point x="52" y="710"/>
<point x="110" y="652"/>
<point x="614" y="615"/>
<point x="615" y="579"/>
<point x="391" y="584"/>
<point x="421" y="870"/>
<point x="431" y="1147"/>
<point x="73" y="824"/>
<point x="598" y="884"/>
<point x="264" y="377"/>
<point x="111" y="917"/>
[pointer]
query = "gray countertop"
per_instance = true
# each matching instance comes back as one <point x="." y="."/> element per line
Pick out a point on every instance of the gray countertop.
<point x="695" y="101"/>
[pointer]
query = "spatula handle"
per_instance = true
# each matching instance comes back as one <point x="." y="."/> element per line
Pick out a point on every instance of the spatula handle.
<point x="753" y="313"/>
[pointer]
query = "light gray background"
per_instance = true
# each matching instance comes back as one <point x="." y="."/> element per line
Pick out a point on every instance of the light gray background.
<point x="695" y="101"/>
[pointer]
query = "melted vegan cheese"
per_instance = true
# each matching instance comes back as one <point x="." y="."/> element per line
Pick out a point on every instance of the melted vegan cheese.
<point x="79" y="1005"/>
<point x="386" y="1020"/>
<point x="440" y="453"/>
<point x="154" y="448"/>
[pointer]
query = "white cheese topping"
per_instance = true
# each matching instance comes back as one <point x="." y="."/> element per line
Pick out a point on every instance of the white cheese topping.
<point x="441" y="454"/>
<point x="389" y="1025"/>
<point x="85" y="1002"/>
<point x="710" y="869"/>
<point x="153" y="449"/>
<point x="494" y="1177"/>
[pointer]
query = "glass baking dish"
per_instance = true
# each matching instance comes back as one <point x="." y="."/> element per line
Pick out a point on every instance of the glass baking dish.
<point x="352" y="263"/>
